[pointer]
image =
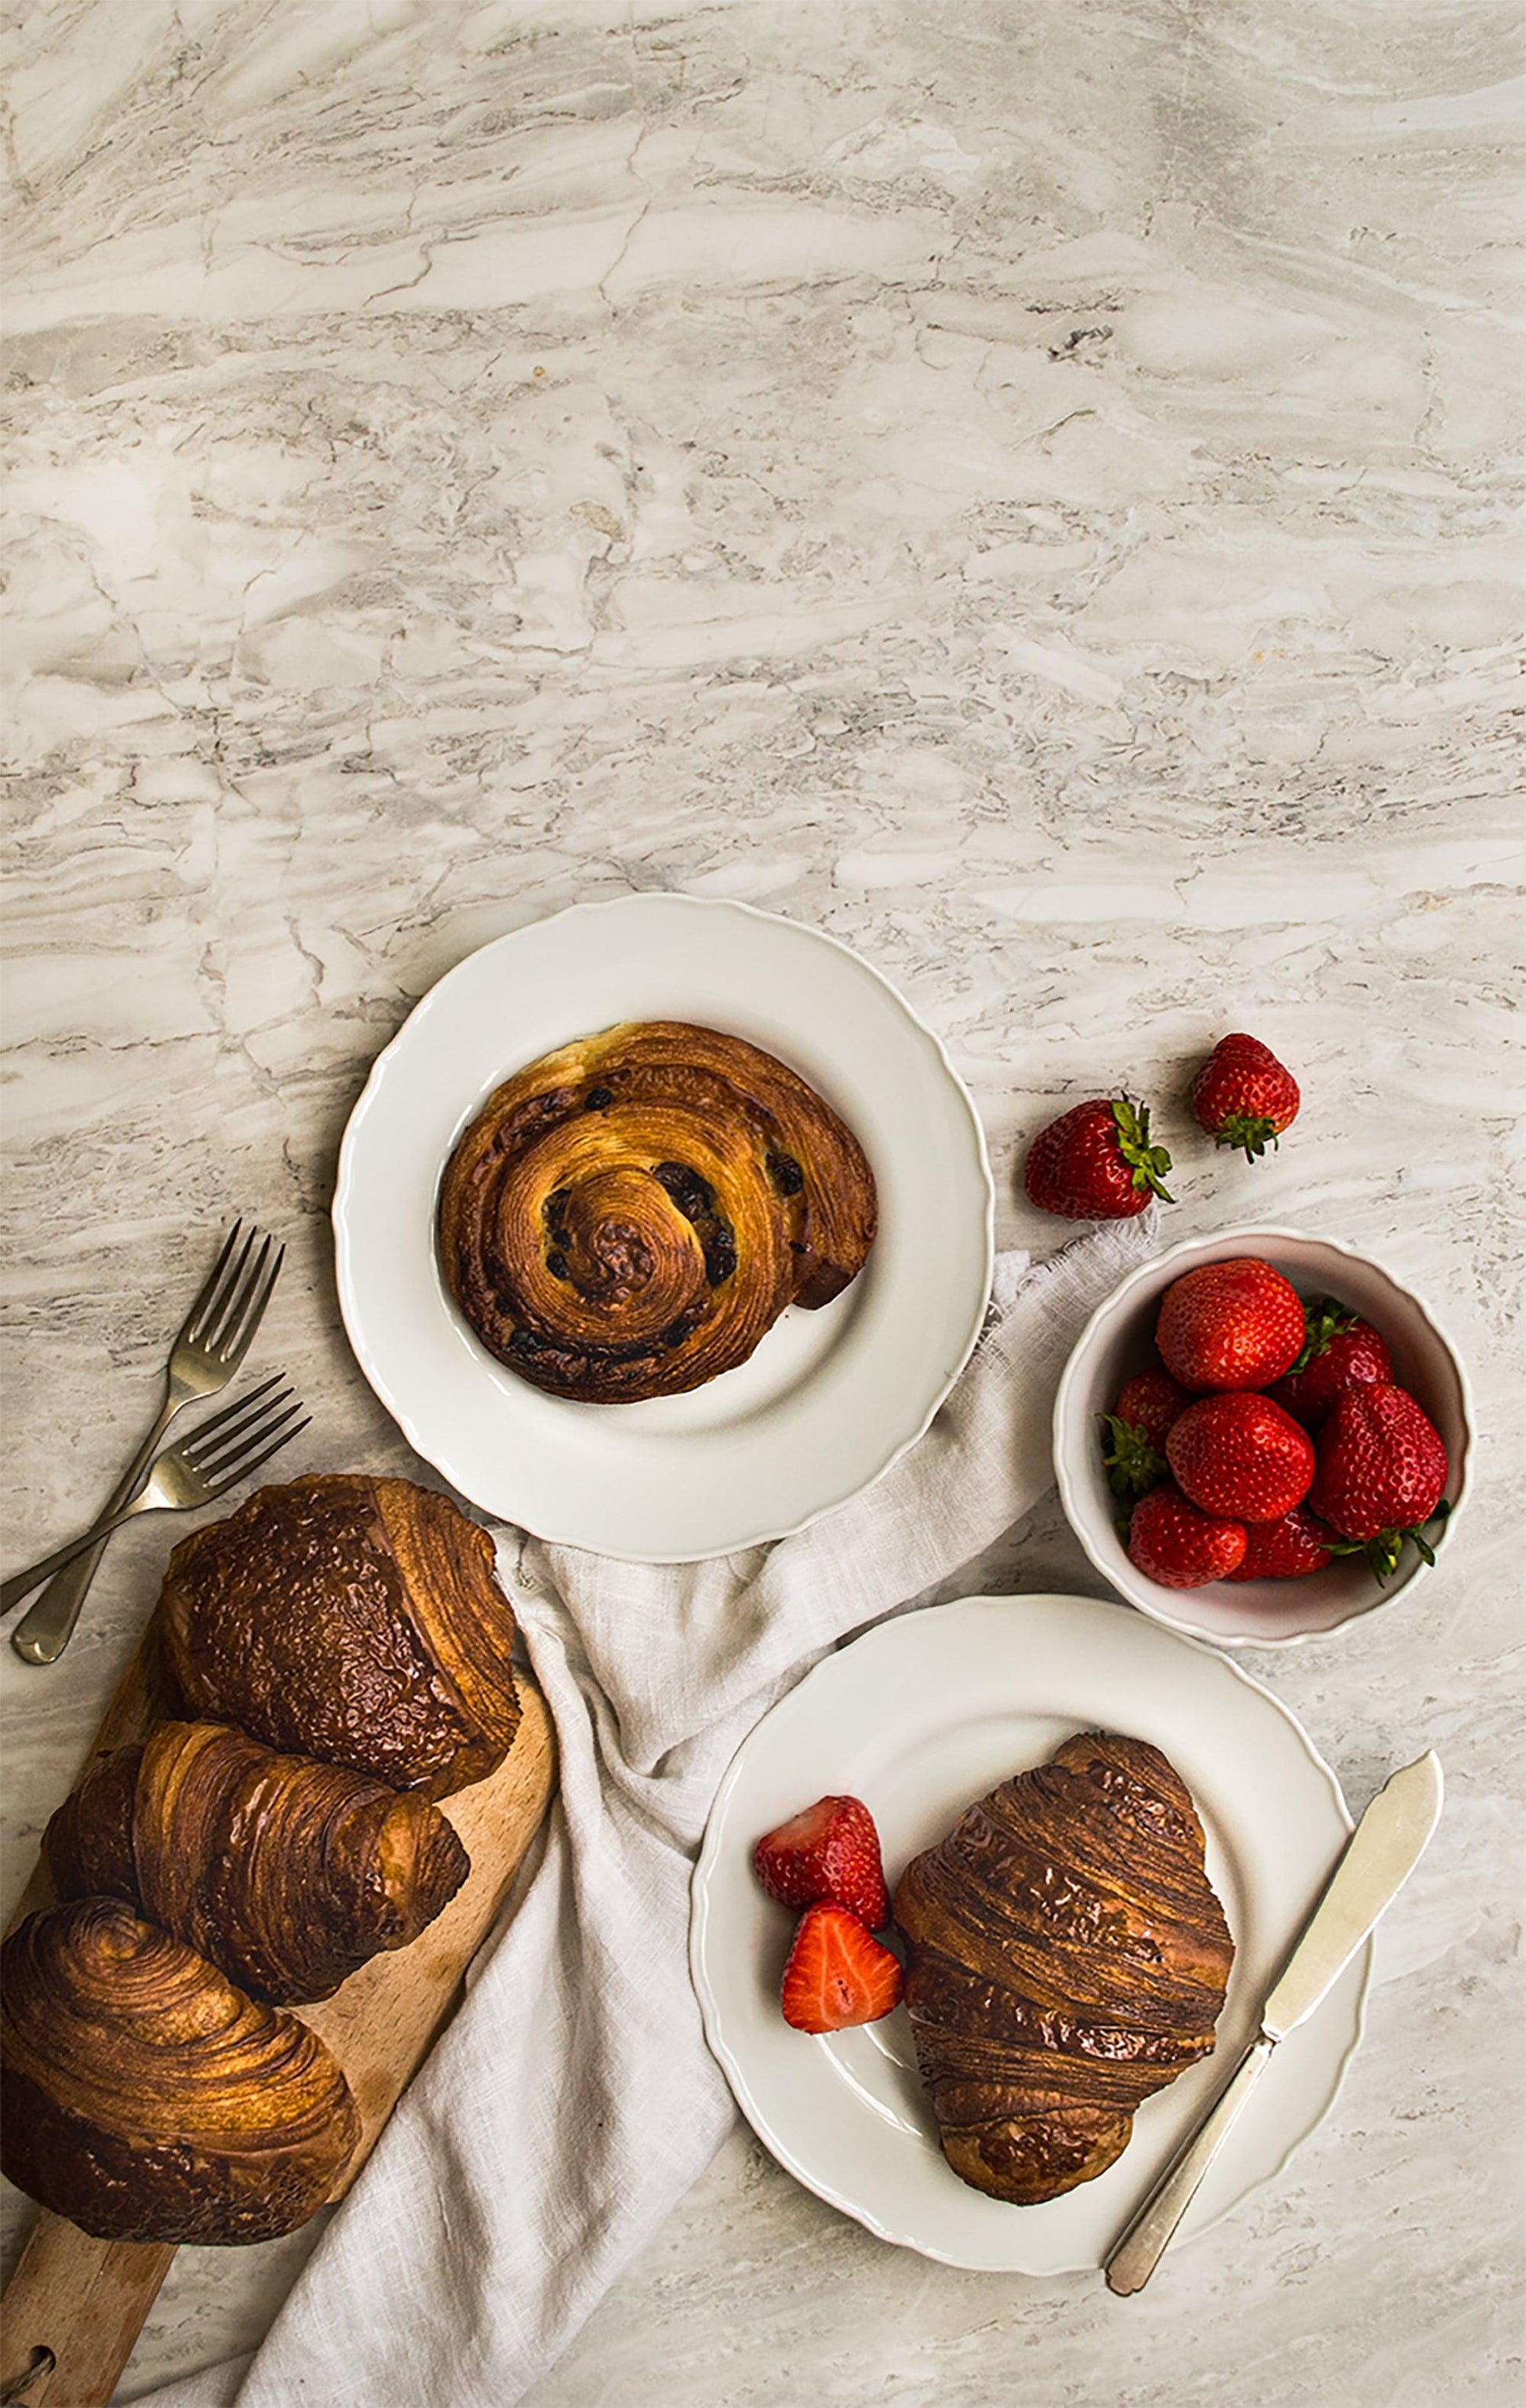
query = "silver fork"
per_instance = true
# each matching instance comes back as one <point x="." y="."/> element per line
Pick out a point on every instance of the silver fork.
<point x="204" y="1467"/>
<point x="212" y="1344"/>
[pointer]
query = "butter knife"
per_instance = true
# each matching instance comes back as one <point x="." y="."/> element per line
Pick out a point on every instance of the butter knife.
<point x="1378" y="1859"/>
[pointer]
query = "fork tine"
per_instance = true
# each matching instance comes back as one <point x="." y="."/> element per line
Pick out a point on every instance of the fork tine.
<point x="216" y="1304"/>
<point x="215" y="1336"/>
<point x="208" y="1287"/>
<point x="220" y="1426"/>
<point x="234" y="1341"/>
<point x="246" y="1470"/>
<point x="254" y="1447"/>
<point x="221" y="1433"/>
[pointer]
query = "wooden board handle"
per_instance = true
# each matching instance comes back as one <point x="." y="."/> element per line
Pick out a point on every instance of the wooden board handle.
<point x="84" y="2302"/>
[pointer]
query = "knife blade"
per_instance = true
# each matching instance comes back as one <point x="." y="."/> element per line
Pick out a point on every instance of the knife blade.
<point x="1377" y="1861"/>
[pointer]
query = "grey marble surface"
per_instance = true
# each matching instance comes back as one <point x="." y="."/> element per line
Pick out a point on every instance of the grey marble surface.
<point x="1017" y="488"/>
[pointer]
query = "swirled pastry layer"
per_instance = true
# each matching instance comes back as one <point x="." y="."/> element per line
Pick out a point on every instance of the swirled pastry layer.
<point x="628" y="1216"/>
<point x="1067" y="1956"/>
<point x="145" y="2099"/>
<point x="285" y="1873"/>
<point x="352" y="1619"/>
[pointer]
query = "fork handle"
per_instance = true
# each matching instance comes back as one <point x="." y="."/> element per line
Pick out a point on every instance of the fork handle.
<point x="41" y="1636"/>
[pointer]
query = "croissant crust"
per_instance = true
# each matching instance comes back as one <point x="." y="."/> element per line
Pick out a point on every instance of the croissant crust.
<point x="351" y="1619"/>
<point x="630" y="1214"/>
<point x="145" y="2098"/>
<point x="286" y="1874"/>
<point x="1067" y="1958"/>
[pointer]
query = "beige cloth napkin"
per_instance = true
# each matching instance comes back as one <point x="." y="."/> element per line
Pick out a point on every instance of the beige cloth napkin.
<point x="573" y="2101"/>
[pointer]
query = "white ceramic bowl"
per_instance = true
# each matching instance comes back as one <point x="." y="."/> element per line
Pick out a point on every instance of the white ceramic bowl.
<point x="1119" y="1341"/>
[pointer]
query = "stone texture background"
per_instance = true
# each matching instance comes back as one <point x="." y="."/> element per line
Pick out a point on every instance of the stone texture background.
<point x="1020" y="489"/>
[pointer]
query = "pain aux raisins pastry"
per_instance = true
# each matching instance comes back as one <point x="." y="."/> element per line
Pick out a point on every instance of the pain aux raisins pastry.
<point x="628" y="1216"/>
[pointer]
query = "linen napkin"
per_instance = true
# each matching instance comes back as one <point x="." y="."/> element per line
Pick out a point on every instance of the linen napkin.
<point x="572" y="2101"/>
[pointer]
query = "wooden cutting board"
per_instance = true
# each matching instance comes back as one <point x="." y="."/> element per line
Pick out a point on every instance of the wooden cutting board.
<point x="83" y="2300"/>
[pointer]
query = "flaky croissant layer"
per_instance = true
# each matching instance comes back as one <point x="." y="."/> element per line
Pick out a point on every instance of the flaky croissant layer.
<point x="1067" y="1956"/>
<point x="351" y="1619"/>
<point x="146" y="2098"/>
<point x="629" y="1215"/>
<point x="286" y="1874"/>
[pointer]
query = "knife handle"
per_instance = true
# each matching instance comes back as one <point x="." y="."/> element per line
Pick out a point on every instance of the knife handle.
<point x="1142" y="2241"/>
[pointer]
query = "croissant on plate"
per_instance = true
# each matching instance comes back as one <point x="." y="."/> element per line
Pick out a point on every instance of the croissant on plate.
<point x="351" y="1619"/>
<point x="1067" y="1956"/>
<point x="286" y="1874"/>
<point x="145" y="2098"/>
<point x="628" y="1216"/>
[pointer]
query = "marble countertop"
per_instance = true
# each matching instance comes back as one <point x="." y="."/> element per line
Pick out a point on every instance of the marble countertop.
<point x="1018" y="488"/>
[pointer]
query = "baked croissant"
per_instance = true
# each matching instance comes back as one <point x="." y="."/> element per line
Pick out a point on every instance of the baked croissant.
<point x="145" y="2098"/>
<point x="1067" y="1958"/>
<point x="286" y="1874"/>
<point x="352" y="1619"/>
<point x="628" y="1216"/>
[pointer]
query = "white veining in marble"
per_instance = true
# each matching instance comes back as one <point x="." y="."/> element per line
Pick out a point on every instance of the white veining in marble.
<point x="1020" y="488"/>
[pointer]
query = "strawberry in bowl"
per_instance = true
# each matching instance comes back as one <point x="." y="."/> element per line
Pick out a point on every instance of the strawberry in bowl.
<point x="1244" y="1320"/>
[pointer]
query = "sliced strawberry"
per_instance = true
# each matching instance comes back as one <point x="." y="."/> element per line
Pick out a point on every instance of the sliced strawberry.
<point x="1287" y="1550"/>
<point x="830" y="1851"/>
<point x="836" y="1973"/>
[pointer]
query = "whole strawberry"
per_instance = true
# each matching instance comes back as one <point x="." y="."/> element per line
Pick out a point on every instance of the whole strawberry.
<point x="1241" y="1455"/>
<point x="1287" y="1550"/>
<point x="1150" y="1402"/>
<point x="1340" y="1350"/>
<point x="830" y="1851"/>
<point x="1379" y="1470"/>
<point x="1243" y="1096"/>
<point x="1234" y="1325"/>
<point x="1134" y="1432"/>
<point x="1172" y="1542"/>
<point x="836" y="1973"/>
<point x="1095" y="1162"/>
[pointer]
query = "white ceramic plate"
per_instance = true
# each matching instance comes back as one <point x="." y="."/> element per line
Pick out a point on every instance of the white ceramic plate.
<point x="829" y="1399"/>
<point x="919" y="1718"/>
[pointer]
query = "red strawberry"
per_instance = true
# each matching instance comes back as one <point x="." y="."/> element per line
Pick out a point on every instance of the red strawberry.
<point x="1235" y="1325"/>
<point x="1243" y="1096"/>
<point x="1381" y="1468"/>
<point x="1134" y="1432"/>
<point x="1150" y="1402"/>
<point x="1340" y="1350"/>
<point x="838" y="1973"/>
<point x="1176" y="1546"/>
<point x="831" y="1850"/>
<point x="1095" y="1162"/>
<point x="1284" y="1549"/>
<point x="1242" y="1456"/>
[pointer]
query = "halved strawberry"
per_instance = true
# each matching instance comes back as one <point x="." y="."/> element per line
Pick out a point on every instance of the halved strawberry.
<point x="836" y="1973"/>
<point x="831" y="1850"/>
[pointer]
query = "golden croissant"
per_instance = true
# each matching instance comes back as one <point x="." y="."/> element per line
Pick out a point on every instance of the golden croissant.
<point x="1067" y="1958"/>
<point x="351" y="1619"/>
<point x="286" y="1874"/>
<point x="144" y="2097"/>
<point x="628" y="1216"/>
